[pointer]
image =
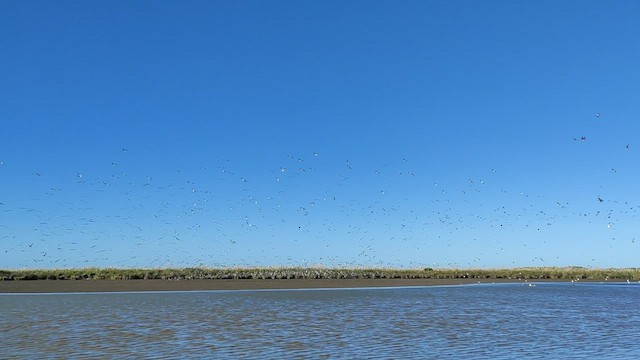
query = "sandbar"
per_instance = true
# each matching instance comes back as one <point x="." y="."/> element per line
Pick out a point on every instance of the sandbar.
<point x="73" y="286"/>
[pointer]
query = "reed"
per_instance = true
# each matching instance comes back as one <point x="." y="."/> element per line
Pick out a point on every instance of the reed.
<point x="537" y="273"/>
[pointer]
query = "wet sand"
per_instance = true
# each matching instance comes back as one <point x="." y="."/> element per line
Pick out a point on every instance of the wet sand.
<point x="67" y="286"/>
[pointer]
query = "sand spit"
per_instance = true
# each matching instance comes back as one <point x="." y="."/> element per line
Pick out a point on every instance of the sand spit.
<point x="53" y="286"/>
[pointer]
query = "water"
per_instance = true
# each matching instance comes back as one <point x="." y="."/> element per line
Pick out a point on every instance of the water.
<point x="508" y="321"/>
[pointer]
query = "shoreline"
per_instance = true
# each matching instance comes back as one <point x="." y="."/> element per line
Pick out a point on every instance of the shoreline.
<point x="91" y="286"/>
<point x="206" y="279"/>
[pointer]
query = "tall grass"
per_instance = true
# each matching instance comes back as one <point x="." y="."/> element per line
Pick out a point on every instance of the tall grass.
<point x="543" y="273"/>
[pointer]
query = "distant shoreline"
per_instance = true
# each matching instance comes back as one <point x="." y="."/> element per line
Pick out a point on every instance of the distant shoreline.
<point x="88" y="286"/>
<point x="194" y="279"/>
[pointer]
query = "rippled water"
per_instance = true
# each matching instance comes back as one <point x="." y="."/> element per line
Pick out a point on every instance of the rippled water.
<point x="546" y="321"/>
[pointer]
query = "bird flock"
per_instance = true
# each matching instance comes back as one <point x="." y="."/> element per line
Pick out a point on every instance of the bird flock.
<point x="305" y="209"/>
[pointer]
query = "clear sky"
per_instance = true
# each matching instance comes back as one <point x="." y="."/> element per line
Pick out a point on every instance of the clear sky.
<point x="335" y="133"/>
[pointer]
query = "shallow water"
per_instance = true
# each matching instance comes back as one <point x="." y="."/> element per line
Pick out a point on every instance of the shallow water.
<point x="507" y="321"/>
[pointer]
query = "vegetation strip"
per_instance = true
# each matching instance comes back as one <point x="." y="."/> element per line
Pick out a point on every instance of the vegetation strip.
<point x="546" y="273"/>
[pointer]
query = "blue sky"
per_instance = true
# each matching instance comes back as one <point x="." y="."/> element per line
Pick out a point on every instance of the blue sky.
<point x="412" y="134"/>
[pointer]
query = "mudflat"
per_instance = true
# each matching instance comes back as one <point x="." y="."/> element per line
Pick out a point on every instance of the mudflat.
<point x="67" y="286"/>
